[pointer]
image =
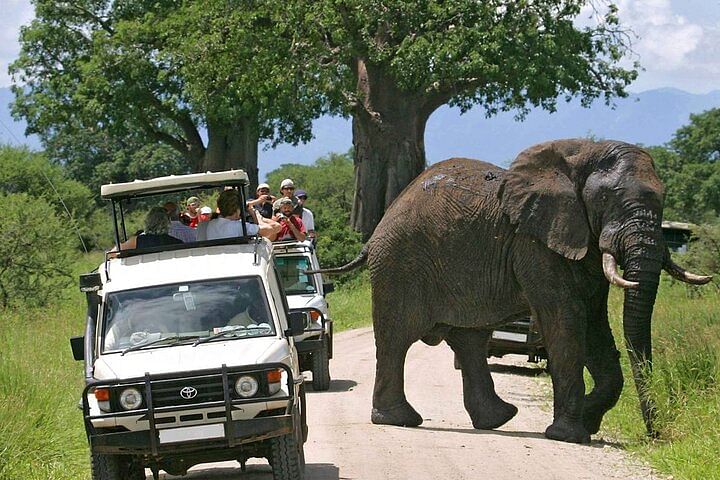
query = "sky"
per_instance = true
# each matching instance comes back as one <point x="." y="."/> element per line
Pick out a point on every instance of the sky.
<point x="677" y="42"/>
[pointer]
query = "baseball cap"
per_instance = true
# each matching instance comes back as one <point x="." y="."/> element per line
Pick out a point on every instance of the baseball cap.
<point x="206" y="210"/>
<point x="284" y="201"/>
<point x="261" y="186"/>
<point x="287" y="183"/>
<point x="300" y="193"/>
<point x="192" y="200"/>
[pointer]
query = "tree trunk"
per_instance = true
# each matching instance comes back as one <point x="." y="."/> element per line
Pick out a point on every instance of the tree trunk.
<point x="388" y="136"/>
<point x="232" y="147"/>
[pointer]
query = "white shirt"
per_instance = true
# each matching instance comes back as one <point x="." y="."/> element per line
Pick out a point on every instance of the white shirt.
<point x="308" y="219"/>
<point x="223" y="228"/>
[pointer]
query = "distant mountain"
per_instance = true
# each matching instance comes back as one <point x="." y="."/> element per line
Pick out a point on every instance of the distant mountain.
<point x="647" y="118"/>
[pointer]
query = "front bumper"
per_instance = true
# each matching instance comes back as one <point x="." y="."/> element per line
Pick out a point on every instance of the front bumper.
<point x="223" y="432"/>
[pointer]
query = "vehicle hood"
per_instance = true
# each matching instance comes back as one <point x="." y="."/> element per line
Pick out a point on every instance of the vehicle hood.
<point x="186" y="358"/>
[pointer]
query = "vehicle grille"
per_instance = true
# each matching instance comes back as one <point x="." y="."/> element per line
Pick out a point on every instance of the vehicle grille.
<point x="167" y="392"/>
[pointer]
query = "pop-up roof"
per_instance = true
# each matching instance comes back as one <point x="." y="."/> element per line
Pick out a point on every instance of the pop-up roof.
<point x="173" y="183"/>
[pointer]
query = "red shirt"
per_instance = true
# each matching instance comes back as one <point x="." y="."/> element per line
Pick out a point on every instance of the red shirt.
<point x="191" y="221"/>
<point x="286" y="233"/>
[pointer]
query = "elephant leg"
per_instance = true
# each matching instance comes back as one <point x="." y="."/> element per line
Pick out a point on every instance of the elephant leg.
<point x="563" y="331"/>
<point x="603" y="363"/>
<point x="486" y="409"/>
<point x="390" y="407"/>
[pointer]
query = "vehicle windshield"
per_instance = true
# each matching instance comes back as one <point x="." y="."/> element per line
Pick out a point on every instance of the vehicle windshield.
<point x="294" y="280"/>
<point x="192" y="310"/>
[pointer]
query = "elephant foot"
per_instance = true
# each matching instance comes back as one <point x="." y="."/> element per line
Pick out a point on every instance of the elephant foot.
<point x="567" y="432"/>
<point x="592" y="421"/>
<point x="491" y="417"/>
<point x="402" y="415"/>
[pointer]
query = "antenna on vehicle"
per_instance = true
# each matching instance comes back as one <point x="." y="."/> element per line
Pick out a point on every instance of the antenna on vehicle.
<point x="62" y="202"/>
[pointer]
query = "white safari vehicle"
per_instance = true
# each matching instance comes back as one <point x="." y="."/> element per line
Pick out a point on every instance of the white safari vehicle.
<point x="189" y="351"/>
<point x="307" y="292"/>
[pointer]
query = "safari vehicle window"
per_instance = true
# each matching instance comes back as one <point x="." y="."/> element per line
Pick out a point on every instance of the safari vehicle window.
<point x="186" y="311"/>
<point x="293" y="279"/>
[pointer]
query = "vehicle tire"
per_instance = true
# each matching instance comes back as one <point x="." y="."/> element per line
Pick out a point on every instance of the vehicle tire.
<point x="321" y="368"/>
<point x="116" y="467"/>
<point x="286" y="457"/>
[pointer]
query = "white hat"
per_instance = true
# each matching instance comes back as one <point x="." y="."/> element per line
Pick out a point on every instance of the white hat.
<point x="262" y="185"/>
<point x="286" y="183"/>
<point x="206" y="210"/>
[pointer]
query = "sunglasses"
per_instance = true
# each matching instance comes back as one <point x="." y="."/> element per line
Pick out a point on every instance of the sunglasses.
<point x="288" y="188"/>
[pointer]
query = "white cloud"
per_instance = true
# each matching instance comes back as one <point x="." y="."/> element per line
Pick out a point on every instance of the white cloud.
<point x="665" y="38"/>
<point x="15" y="14"/>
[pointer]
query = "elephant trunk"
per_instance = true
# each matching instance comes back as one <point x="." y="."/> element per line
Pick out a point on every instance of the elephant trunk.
<point x="643" y="262"/>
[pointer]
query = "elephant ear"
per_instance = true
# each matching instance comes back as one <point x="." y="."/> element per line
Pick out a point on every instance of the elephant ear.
<point x="539" y="196"/>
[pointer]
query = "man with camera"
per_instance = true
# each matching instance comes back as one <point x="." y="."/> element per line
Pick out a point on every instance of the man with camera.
<point x="291" y="226"/>
<point x="263" y="201"/>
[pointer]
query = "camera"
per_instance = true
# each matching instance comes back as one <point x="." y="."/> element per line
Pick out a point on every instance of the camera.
<point x="280" y="216"/>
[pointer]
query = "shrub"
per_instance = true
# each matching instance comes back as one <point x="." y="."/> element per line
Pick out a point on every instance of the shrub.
<point x="36" y="252"/>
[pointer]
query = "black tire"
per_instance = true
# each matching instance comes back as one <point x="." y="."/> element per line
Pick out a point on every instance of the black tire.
<point x="303" y="414"/>
<point x="286" y="459"/>
<point x="116" y="467"/>
<point x="321" y="368"/>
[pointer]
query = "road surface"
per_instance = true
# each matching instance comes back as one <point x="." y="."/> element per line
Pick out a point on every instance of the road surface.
<point x="344" y="445"/>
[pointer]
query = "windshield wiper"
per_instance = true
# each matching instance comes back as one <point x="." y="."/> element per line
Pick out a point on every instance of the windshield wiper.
<point x="229" y="331"/>
<point x="174" y="339"/>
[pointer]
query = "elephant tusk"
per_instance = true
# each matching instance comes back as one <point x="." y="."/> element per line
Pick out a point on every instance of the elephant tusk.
<point x="676" y="271"/>
<point x="610" y="270"/>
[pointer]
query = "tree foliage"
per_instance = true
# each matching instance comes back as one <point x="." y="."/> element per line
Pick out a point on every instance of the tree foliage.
<point x="391" y="63"/>
<point x="30" y="173"/>
<point x="129" y="75"/>
<point x="689" y="166"/>
<point x="36" y="253"/>
<point x="329" y="185"/>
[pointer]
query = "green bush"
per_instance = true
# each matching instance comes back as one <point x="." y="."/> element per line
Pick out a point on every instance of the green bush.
<point x="36" y="252"/>
<point x="24" y="171"/>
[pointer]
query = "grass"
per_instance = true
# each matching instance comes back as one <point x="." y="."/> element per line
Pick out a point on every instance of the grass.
<point x="350" y="305"/>
<point x="686" y="370"/>
<point x="41" y="430"/>
<point x="42" y="436"/>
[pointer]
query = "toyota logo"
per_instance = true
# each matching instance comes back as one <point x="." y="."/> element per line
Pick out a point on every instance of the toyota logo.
<point x="188" y="392"/>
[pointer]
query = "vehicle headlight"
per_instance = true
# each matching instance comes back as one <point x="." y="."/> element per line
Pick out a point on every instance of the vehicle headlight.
<point x="130" y="399"/>
<point x="246" y="386"/>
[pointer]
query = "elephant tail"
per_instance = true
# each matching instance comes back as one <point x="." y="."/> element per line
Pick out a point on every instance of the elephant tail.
<point x="357" y="262"/>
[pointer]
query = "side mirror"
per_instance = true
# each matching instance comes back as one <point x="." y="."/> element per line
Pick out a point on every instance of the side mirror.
<point x="296" y="322"/>
<point x="77" y="344"/>
<point x="90" y="282"/>
<point x="328" y="287"/>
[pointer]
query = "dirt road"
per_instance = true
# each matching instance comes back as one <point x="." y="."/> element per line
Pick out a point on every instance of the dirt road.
<point x="344" y="445"/>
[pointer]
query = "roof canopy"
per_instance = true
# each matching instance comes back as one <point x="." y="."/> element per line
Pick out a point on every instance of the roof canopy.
<point x="174" y="183"/>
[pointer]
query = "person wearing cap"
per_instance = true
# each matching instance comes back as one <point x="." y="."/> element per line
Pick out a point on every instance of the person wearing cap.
<point x="190" y="215"/>
<point x="205" y="215"/>
<point x="177" y="228"/>
<point x="287" y="189"/>
<point x="263" y="201"/>
<point x="291" y="225"/>
<point x="228" y="223"/>
<point x="308" y="218"/>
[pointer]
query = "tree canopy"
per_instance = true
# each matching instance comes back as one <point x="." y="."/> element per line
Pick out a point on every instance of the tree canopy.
<point x="391" y="63"/>
<point x="689" y="166"/>
<point x="135" y="74"/>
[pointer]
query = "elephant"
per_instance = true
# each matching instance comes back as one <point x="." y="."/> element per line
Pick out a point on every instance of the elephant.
<point x="468" y="245"/>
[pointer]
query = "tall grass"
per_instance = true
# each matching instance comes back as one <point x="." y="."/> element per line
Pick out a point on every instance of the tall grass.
<point x="686" y="370"/>
<point x="41" y="429"/>
<point x="350" y="306"/>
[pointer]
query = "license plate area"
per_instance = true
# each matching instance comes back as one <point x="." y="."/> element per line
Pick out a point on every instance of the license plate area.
<point x="196" y="432"/>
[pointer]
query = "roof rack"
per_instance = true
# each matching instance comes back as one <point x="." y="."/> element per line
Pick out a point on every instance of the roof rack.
<point x="292" y="246"/>
<point x="173" y="183"/>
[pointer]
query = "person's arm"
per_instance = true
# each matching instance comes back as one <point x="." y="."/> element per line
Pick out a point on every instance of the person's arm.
<point x="129" y="244"/>
<point x="298" y="233"/>
<point x="266" y="227"/>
